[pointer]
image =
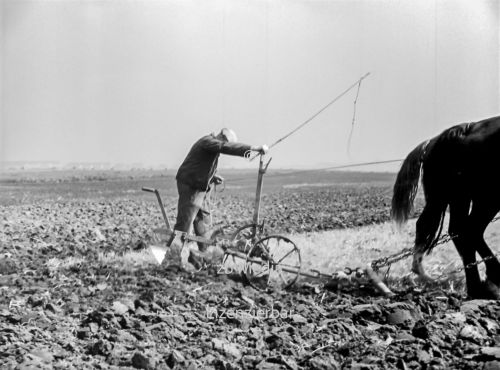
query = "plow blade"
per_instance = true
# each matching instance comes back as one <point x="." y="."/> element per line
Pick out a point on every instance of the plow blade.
<point x="158" y="252"/>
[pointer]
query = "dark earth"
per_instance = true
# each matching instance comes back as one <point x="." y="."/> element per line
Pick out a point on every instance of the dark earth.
<point x="93" y="313"/>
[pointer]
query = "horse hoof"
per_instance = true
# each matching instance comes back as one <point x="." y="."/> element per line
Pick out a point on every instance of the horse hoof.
<point x="488" y="290"/>
<point x="492" y="290"/>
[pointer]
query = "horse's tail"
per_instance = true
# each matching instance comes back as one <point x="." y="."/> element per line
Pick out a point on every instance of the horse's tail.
<point x="436" y="182"/>
<point x="406" y="185"/>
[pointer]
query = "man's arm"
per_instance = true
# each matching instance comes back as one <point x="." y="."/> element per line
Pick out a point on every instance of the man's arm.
<point x="238" y="149"/>
<point x="241" y="149"/>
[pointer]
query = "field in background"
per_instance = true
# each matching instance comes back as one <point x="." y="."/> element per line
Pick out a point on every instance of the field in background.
<point x="292" y="200"/>
<point x="44" y="185"/>
<point x="308" y="205"/>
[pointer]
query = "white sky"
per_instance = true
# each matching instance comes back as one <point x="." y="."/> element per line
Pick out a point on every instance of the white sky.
<point x="140" y="81"/>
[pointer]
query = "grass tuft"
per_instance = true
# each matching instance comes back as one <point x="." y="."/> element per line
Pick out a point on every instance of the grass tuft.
<point x="142" y="258"/>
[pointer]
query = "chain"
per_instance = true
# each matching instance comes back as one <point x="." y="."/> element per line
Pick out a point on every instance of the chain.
<point x="389" y="260"/>
<point x="346" y="271"/>
<point x="350" y="271"/>
<point x="407" y="252"/>
<point x="472" y="264"/>
<point x="447" y="238"/>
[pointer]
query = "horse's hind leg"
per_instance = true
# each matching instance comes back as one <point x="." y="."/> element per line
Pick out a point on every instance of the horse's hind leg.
<point x="481" y="215"/>
<point x="427" y="225"/>
<point x="459" y="231"/>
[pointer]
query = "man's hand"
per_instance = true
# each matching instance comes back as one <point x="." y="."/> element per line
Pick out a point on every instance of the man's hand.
<point x="217" y="180"/>
<point x="263" y="149"/>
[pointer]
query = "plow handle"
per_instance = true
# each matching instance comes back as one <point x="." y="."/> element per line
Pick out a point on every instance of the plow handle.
<point x="164" y="214"/>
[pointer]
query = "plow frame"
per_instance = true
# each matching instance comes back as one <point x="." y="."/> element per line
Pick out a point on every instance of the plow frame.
<point x="229" y="244"/>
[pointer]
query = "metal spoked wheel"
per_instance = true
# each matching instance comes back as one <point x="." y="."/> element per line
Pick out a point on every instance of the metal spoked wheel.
<point x="242" y="239"/>
<point x="245" y="233"/>
<point x="272" y="261"/>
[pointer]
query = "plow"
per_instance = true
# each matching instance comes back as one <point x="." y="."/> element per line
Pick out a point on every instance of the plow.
<point x="273" y="259"/>
<point x="263" y="260"/>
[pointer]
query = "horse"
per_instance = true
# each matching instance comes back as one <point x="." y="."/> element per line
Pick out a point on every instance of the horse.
<point x="460" y="170"/>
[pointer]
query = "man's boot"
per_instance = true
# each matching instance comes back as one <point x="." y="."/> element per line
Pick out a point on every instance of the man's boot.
<point x="197" y="259"/>
<point x="211" y="257"/>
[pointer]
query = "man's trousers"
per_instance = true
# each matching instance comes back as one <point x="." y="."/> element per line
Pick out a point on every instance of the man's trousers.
<point x="190" y="212"/>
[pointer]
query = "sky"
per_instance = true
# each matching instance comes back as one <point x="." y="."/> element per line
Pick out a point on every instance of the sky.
<point x="138" y="82"/>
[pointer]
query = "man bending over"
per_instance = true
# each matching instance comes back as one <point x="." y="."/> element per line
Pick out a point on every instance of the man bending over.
<point x="196" y="174"/>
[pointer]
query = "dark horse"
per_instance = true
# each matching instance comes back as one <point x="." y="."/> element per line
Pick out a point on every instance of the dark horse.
<point x="460" y="169"/>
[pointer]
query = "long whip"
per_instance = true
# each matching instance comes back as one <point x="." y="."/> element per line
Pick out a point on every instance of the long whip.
<point x="357" y="83"/>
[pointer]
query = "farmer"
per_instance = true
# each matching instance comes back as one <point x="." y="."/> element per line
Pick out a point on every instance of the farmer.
<point x="195" y="176"/>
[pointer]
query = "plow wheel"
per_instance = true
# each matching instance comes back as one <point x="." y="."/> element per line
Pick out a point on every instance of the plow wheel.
<point x="272" y="261"/>
<point x="243" y="239"/>
<point x="248" y="232"/>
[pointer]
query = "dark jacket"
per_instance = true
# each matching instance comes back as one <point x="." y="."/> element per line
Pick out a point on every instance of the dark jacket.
<point x="201" y="162"/>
